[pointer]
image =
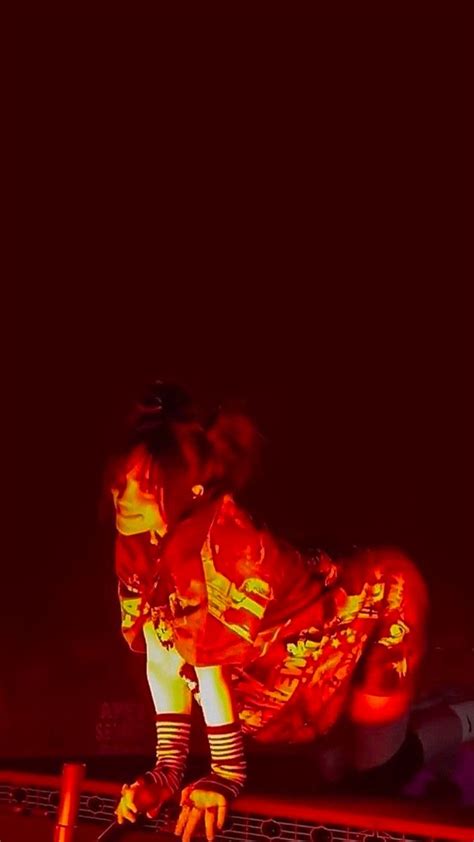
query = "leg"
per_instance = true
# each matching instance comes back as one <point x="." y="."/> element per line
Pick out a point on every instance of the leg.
<point x="443" y="726"/>
<point x="387" y="738"/>
<point x="385" y="680"/>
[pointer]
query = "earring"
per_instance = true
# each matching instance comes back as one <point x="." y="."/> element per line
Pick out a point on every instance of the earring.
<point x="197" y="491"/>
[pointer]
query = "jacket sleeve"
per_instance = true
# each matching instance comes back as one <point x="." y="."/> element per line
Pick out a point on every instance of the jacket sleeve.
<point x="223" y="588"/>
<point x="136" y="569"/>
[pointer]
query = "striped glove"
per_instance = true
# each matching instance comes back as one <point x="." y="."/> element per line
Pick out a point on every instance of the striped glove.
<point x="228" y="766"/>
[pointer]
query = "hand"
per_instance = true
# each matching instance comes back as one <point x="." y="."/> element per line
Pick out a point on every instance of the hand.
<point x="126" y="808"/>
<point x="198" y="803"/>
<point x="141" y="797"/>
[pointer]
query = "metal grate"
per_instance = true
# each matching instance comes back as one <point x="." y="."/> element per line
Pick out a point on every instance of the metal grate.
<point x="241" y="827"/>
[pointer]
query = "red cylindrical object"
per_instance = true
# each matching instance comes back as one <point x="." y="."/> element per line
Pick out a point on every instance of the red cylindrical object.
<point x="71" y="780"/>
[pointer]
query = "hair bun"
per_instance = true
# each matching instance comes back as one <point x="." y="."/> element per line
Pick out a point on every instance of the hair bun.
<point x="236" y="445"/>
<point x="163" y="402"/>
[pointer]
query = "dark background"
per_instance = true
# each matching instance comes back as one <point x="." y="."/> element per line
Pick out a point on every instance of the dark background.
<point x="266" y="207"/>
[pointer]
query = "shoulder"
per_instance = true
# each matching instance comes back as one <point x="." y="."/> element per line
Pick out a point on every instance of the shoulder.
<point x="238" y="546"/>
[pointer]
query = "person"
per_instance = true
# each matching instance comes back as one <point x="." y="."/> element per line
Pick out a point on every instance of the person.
<point x="275" y="649"/>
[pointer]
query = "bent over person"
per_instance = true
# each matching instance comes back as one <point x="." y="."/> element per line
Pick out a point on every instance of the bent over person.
<point x="272" y="648"/>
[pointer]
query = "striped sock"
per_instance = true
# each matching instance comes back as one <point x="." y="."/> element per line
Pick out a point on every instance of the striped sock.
<point x="172" y="746"/>
<point x="227" y="761"/>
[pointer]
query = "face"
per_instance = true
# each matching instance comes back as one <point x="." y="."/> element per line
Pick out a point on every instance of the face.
<point x="138" y="508"/>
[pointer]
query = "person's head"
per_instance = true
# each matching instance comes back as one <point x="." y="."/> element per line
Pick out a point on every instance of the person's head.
<point x="170" y="459"/>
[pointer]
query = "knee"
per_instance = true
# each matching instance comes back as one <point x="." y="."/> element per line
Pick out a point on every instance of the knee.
<point x="402" y="580"/>
<point x="404" y="584"/>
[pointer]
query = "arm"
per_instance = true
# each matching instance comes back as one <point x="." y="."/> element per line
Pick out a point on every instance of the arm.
<point x="212" y="793"/>
<point x="223" y="729"/>
<point x="216" y="695"/>
<point x="172" y="701"/>
<point x="169" y="692"/>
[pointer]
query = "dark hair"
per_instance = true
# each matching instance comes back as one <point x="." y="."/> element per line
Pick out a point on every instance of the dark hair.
<point x="221" y="454"/>
<point x="235" y="449"/>
<point x="165" y="422"/>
